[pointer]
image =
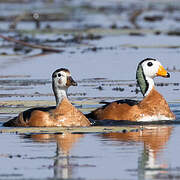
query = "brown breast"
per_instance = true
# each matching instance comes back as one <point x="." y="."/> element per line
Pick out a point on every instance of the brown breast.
<point x="64" y="115"/>
<point x="155" y="104"/>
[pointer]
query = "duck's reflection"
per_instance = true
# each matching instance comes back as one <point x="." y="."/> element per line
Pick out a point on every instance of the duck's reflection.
<point x="62" y="167"/>
<point x="154" y="139"/>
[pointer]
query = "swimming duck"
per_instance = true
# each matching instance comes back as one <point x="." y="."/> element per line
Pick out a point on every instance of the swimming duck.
<point x="152" y="107"/>
<point x="63" y="114"/>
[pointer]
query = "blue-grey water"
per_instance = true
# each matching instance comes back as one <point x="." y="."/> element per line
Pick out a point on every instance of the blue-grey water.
<point x="148" y="154"/>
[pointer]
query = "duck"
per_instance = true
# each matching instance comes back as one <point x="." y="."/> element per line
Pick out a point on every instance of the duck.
<point x="153" y="106"/>
<point x="64" y="114"/>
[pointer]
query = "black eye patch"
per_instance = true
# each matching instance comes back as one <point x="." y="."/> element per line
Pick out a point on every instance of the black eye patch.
<point x="59" y="75"/>
<point x="149" y="64"/>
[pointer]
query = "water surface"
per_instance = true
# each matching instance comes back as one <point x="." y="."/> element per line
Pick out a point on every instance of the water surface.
<point x="147" y="154"/>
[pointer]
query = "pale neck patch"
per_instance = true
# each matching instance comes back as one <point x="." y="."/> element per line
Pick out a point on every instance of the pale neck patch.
<point x="63" y="79"/>
<point x="150" y="82"/>
<point x="59" y="86"/>
<point x="60" y="94"/>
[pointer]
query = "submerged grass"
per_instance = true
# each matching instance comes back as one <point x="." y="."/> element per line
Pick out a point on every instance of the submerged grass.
<point x="62" y="130"/>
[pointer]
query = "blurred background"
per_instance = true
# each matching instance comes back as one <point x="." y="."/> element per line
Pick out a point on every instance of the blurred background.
<point x="59" y="15"/>
<point x="93" y="18"/>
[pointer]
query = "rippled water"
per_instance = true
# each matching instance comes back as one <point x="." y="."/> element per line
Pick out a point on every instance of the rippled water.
<point x="148" y="154"/>
<point x="151" y="153"/>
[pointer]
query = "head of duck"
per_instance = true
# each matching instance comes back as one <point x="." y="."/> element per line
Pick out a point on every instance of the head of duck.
<point x="61" y="81"/>
<point x="147" y="70"/>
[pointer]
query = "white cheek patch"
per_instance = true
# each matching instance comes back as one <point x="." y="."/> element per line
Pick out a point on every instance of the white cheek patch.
<point x="151" y="71"/>
<point x="63" y="79"/>
<point x="62" y="82"/>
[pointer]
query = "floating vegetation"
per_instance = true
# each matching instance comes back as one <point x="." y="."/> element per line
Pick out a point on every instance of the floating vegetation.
<point x="61" y="130"/>
<point x="118" y="89"/>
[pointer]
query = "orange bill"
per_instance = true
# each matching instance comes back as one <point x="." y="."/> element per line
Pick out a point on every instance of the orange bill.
<point x="162" y="72"/>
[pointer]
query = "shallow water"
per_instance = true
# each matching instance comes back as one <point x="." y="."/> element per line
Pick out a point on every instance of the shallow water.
<point x="147" y="154"/>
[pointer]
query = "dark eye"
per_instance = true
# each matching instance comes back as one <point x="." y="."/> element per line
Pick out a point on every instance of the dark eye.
<point x="149" y="63"/>
<point x="59" y="75"/>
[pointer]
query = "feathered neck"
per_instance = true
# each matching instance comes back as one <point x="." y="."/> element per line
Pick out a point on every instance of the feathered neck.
<point x="60" y="93"/>
<point x="146" y="84"/>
